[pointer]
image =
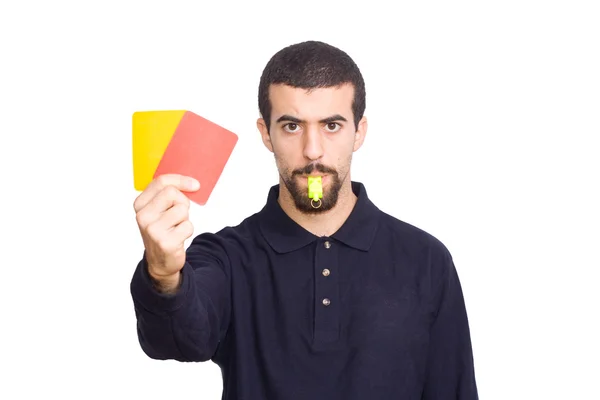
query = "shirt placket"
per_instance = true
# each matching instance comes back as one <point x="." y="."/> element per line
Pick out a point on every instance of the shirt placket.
<point x="327" y="297"/>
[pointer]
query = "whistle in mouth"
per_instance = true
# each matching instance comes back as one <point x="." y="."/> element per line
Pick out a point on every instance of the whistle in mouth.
<point x="315" y="188"/>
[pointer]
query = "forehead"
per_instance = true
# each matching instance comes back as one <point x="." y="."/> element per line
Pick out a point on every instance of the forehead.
<point x="311" y="104"/>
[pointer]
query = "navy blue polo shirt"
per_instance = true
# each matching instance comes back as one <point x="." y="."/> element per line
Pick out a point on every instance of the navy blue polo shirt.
<point x="374" y="311"/>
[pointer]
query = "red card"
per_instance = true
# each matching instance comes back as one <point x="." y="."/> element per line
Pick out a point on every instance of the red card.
<point x="199" y="148"/>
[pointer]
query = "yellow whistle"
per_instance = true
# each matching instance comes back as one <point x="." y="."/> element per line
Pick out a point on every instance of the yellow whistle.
<point x="315" y="188"/>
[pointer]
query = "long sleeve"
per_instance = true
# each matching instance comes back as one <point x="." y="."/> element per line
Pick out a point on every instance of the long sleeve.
<point x="450" y="371"/>
<point x="188" y="325"/>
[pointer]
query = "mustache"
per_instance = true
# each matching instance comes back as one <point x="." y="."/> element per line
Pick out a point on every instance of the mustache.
<point x="312" y="167"/>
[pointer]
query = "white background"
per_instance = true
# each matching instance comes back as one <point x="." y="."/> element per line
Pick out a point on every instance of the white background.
<point x="484" y="127"/>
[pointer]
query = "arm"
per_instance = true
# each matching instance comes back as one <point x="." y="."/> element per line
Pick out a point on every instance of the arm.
<point x="450" y="371"/>
<point x="185" y="324"/>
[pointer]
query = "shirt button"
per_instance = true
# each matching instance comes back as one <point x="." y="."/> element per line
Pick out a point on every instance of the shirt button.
<point x="327" y="245"/>
<point x="326" y="302"/>
<point x="326" y="272"/>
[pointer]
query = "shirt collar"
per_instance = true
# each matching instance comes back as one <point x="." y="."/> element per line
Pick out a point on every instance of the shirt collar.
<point x="284" y="235"/>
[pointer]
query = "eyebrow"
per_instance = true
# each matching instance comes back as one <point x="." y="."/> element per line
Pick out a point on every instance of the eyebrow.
<point x="333" y="118"/>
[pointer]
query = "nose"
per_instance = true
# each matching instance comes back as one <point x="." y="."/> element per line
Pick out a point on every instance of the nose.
<point x="313" y="144"/>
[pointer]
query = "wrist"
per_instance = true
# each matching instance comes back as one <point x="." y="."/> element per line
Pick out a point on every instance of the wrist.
<point x="167" y="284"/>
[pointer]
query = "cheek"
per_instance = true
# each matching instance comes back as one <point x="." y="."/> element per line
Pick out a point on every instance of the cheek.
<point x="288" y="152"/>
<point x="342" y="153"/>
<point x="283" y="160"/>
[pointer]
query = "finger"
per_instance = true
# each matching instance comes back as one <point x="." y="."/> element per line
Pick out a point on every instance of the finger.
<point x="173" y="217"/>
<point x="163" y="201"/>
<point x="183" y="231"/>
<point x="170" y="241"/>
<point x="181" y="182"/>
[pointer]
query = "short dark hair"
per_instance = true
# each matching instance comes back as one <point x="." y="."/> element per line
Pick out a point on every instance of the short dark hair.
<point x="309" y="65"/>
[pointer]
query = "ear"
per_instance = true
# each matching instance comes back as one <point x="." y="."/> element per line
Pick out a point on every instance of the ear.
<point x="361" y="132"/>
<point x="264" y="133"/>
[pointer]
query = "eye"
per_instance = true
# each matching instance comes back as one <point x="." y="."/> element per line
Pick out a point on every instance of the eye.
<point x="333" y="127"/>
<point x="291" y="127"/>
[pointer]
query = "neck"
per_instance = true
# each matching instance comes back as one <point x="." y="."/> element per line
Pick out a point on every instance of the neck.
<point x="325" y="223"/>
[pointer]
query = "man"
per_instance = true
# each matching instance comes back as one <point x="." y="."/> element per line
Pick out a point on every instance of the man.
<point x="310" y="298"/>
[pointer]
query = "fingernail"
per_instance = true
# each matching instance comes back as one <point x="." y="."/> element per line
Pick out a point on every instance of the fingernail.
<point x="193" y="184"/>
